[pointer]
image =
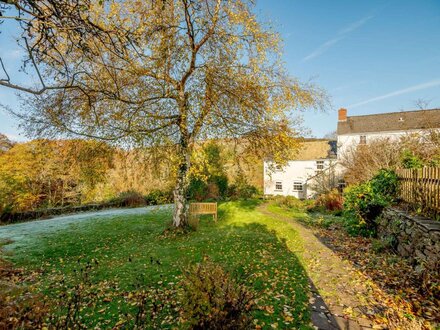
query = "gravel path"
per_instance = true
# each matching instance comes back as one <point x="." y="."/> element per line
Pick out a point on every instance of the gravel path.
<point x="21" y="233"/>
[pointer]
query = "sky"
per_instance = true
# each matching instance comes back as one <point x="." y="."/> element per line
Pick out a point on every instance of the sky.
<point x="370" y="56"/>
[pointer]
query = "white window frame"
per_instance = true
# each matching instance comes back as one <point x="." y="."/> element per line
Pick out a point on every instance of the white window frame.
<point x="296" y="184"/>
<point x="362" y="139"/>
<point x="320" y="165"/>
<point x="278" y="183"/>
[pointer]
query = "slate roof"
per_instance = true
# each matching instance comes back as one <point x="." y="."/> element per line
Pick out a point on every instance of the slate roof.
<point x="391" y="121"/>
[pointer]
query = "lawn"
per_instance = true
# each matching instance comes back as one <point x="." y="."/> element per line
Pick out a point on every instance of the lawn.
<point x="320" y="220"/>
<point x="125" y="253"/>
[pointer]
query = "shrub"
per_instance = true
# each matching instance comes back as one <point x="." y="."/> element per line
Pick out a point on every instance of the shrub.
<point x="159" y="197"/>
<point x="22" y="310"/>
<point x="410" y="151"/>
<point x="386" y="183"/>
<point x="197" y="189"/>
<point x="129" y="198"/>
<point x="241" y="188"/>
<point x="363" y="203"/>
<point x="212" y="192"/>
<point x="331" y="201"/>
<point x="212" y="299"/>
<point x="289" y="202"/>
<point x="410" y="160"/>
<point x="214" y="188"/>
<point x="5" y="212"/>
<point x="388" y="243"/>
<point x="221" y="181"/>
<point x="245" y="191"/>
<point x="361" y="207"/>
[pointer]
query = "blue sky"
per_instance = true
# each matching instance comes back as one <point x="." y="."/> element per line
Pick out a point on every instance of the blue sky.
<point x="370" y="56"/>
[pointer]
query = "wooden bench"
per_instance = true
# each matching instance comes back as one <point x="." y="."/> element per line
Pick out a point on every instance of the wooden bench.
<point x="196" y="209"/>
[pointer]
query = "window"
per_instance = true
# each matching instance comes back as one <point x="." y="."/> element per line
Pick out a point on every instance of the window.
<point x="319" y="164"/>
<point x="341" y="185"/>
<point x="363" y="139"/>
<point x="297" y="186"/>
<point x="278" y="185"/>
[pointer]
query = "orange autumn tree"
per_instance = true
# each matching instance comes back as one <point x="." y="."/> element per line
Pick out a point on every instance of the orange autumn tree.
<point x="163" y="74"/>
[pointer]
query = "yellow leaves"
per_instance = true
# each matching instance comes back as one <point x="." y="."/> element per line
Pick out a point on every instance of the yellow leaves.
<point x="269" y="309"/>
<point x="119" y="323"/>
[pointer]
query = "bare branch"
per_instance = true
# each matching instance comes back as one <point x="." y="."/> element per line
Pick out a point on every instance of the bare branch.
<point x="4" y="70"/>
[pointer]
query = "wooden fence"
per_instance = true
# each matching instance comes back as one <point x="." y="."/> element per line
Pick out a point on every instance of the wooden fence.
<point x="421" y="187"/>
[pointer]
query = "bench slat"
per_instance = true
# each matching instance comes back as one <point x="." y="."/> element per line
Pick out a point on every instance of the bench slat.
<point x="203" y="208"/>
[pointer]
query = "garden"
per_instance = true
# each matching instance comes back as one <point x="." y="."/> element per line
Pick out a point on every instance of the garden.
<point x="407" y="287"/>
<point x="130" y="271"/>
<point x="139" y="104"/>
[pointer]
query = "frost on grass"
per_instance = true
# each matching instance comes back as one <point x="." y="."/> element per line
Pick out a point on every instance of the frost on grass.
<point x="23" y="234"/>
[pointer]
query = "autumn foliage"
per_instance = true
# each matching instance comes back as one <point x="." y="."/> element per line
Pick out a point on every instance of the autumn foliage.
<point x="213" y="299"/>
<point x="361" y="163"/>
<point x="44" y="173"/>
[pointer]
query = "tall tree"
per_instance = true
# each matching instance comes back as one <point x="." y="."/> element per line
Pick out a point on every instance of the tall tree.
<point x="160" y="73"/>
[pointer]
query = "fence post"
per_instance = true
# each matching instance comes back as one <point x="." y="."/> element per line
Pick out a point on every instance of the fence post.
<point x="421" y="188"/>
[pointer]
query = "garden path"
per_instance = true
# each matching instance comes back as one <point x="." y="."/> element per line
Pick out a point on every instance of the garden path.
<point x="339" y="300"/>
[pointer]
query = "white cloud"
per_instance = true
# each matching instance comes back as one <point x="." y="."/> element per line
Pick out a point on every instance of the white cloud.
<point x="414" y="88"/>
<point x="356" y="25"/>
<point x="341" y="35"/>
<point x="321" y="49"/>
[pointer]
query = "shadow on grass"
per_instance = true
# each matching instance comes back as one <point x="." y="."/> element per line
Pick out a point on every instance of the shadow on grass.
<point x="316" y="308"/>
<point x="393" y="275"/>
<point x="321" y="316"/>
<point x="124" y="250"/>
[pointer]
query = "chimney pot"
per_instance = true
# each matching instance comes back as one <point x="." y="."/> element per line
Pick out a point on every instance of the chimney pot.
<point x="342" y="114"/>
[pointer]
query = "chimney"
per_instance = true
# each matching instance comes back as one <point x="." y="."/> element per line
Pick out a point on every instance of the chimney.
<point x="342" y="114"/>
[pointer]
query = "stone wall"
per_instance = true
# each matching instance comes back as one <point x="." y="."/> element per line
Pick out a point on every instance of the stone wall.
<point x="414" y="237"/>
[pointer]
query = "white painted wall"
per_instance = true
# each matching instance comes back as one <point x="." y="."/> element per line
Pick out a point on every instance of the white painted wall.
<point x="294" y="171"/>
<point x="348" y="141"/>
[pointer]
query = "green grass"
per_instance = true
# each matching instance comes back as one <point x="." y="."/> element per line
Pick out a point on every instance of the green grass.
<point x="314" y="219"/>
<point x="244" y="241"/>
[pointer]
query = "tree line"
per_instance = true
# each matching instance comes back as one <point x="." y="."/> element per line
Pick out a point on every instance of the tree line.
<point x="45" y="173"/>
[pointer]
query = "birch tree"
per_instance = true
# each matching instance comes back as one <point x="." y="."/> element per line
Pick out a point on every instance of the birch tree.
<point x="164" y="74"/>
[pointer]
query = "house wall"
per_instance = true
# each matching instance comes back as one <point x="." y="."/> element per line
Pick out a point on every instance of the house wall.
<point x="349" y="141"/>
<point x="294" y="171"/>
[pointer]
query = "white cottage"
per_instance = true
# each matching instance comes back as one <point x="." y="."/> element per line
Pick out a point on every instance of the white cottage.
<point x="358" y="130"/>
<point x="297" y="177"/>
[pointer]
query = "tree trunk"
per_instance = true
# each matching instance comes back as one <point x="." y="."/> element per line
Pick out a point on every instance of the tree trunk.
<point x="181" y="207"/>
<point x="180" y="216"/>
